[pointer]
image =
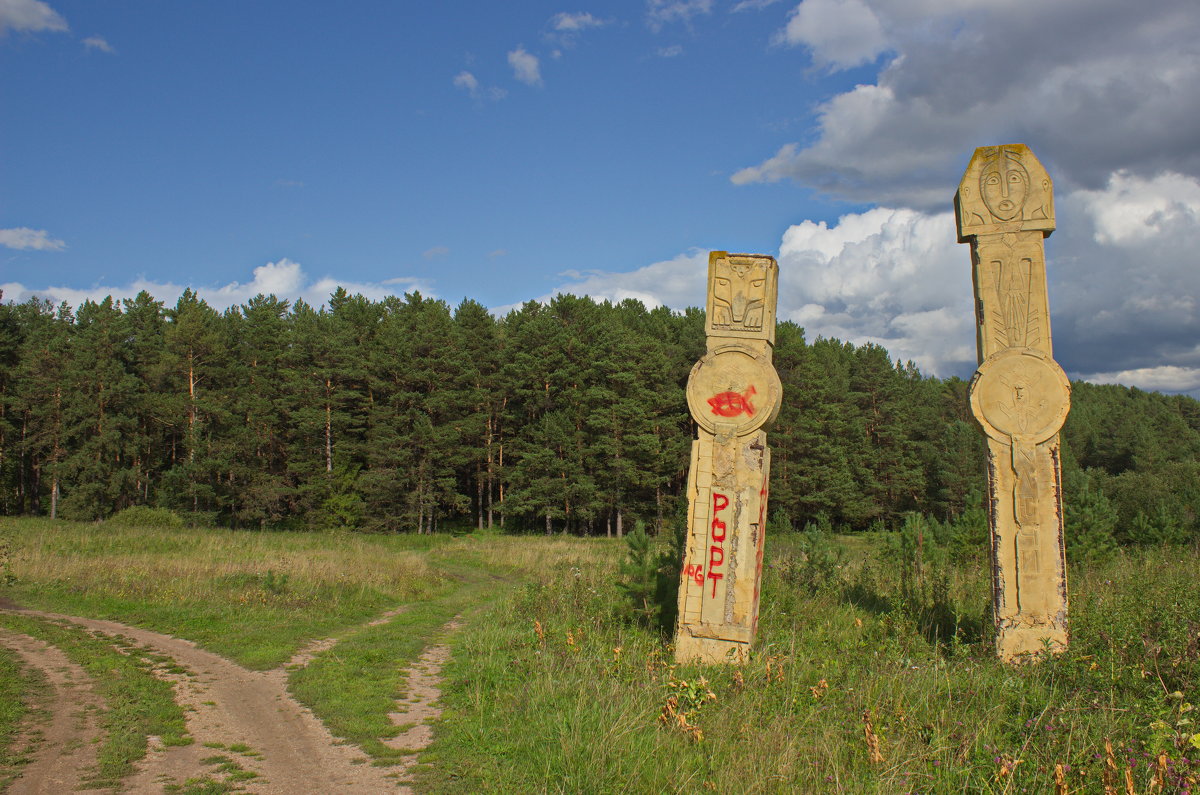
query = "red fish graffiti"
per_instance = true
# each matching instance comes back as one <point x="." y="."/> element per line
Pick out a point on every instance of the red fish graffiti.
<point x="731" y="404"/>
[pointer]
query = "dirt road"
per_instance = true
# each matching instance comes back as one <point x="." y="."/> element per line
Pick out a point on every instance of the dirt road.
<point x="247" y="717"/>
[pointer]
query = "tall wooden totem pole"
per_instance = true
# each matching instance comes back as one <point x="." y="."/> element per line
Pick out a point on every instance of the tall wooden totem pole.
<point x="1019" y="394"/>
<point x="733" y="394"/>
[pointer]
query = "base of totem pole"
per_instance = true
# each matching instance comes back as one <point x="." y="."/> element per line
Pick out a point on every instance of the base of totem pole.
<point x="692" y="649"/>
<point x="1017" y="643"/>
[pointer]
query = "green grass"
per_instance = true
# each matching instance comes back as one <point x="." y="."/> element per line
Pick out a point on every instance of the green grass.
<point x="847" y="629"/>
<point x="18" y="685"/>
<point x="137" y="704"/>
<point x="259" y="597"/>
<point x="553" y="714"/>
<point x="252" y="597"/>
<point x="353" y="687"/>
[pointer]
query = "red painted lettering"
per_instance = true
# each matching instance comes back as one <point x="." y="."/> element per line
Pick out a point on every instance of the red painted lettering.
<point x="716" y="553"/>
<point x="695" y="573"/>
<point x="716" y="556"/>
<point x="731" y="404"/>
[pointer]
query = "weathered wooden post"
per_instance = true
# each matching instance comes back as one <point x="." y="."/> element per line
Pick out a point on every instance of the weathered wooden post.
<point x="733" y="394"/>
<point x="1019" y="394"/>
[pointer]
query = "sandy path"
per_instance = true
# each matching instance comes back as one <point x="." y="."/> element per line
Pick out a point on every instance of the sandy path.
<point x="65" y="752"/>
<point x="420" y="707"/>
<point x="290" y="750"/>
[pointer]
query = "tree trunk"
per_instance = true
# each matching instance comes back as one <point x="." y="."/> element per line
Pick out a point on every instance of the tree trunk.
<point x="658" y="512"/>
<point x="549" y="525"/>
<point x="328" y="425"/>
<point x="478" y="501"/>
<point x="54" y="498"/>
<point x="21" y="489"/>
<point x="490" y="472"/>
<point x="502" y="488"/>
<point x="621" y="523"/>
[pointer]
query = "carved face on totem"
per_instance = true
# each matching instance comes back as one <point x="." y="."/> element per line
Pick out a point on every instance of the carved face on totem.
<point x="739" y="294"/>
<point x="1004" y="185"/>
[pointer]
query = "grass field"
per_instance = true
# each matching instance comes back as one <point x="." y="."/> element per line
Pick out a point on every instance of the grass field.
<point x="868" y="676"/>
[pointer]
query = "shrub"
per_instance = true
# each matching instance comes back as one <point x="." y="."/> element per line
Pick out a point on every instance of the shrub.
<point x="145" y="516"/>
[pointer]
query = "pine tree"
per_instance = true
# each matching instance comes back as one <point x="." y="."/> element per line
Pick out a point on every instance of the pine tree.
<point x="38" y="402"/>
<point x="100" y="414"/>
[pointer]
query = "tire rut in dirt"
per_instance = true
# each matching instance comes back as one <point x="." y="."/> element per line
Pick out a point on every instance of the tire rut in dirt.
<point x="228" y="706"/>
<point x="63" y="749"/>
<point x="420" y="707"/>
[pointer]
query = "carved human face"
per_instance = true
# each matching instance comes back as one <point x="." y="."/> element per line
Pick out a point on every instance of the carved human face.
<point x="1003" y="185"/>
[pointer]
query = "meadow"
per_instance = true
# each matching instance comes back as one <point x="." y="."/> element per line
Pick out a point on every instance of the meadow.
<point x="872" y="671"/>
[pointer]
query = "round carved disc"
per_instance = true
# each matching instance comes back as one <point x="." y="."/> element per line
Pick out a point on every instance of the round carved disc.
<point x="1020" y="394"/>
<point x="734" y="385"/>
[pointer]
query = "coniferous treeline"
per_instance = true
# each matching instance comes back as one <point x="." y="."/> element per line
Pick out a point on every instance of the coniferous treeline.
<point x="404" y="414"/>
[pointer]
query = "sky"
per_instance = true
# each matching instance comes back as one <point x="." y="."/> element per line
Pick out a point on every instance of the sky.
<point x="512" y="151"/>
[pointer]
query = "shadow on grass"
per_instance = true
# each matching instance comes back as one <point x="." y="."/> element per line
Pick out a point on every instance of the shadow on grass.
<point x="937" y="617"/>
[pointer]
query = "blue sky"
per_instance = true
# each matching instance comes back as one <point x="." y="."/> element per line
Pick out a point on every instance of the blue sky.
<point x="508" y="151"/>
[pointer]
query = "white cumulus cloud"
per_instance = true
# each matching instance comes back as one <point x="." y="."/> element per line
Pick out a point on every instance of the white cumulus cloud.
<point x="29" y="16"/>
<point x="891" y="276"/>
<point x="470" y="83"/>
<point x="662" y="12"/>
<point x="1167" y="378"/>
<point x="24" y="238"/>
<point x="840" y="33"/>
<point x="1131" y="210"/>
<point x="99" y="43"/>
<point x="565" y="28"/>
<point x="670" y="283"/>
<point x="1122" y="277"/>
<point x="752" y="5"/>
<point x="525" y="66"/>
<point x="284" y="279"/>
<point x="564" y="21"/>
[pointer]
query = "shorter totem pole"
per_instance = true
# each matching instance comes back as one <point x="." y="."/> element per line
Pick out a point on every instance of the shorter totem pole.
<point x="1019" y="394"/>
<point x="733" y="394"/>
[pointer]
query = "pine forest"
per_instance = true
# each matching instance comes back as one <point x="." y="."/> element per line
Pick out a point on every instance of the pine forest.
<point x="407" y="415"/>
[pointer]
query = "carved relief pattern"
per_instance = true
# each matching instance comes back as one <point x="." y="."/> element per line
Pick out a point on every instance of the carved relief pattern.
<point x="1019" y="395"/>
<point x="733" y="394"/>
<point x="742" y="291"/>
<point x="739" y="294"/>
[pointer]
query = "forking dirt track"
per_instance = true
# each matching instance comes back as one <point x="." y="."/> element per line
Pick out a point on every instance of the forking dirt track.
<point x="225" y="705"/>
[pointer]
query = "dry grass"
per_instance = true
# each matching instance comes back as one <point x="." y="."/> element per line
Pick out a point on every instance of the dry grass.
<point x="170" y="564"/>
